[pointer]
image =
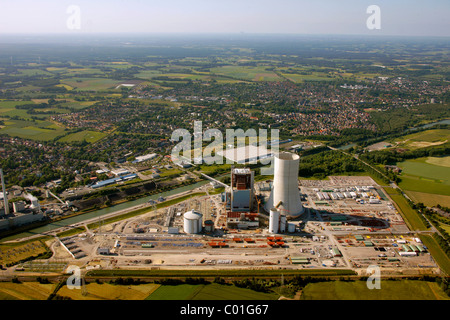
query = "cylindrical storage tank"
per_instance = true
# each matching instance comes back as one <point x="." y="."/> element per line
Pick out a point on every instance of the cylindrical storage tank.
<point x="193" y="222"/>
<point x="274" y="220"/>
<point x="209" y="226"/>
<point x="291" y="228"/>
<point x="283" y="223"/>
<point x="285" y="195"/>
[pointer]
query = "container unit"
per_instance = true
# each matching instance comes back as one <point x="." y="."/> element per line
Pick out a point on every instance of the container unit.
<point x="291" y="228"/>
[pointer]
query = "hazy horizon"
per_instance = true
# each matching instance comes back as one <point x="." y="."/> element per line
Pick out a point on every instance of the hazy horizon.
<point x="326" y="17"/>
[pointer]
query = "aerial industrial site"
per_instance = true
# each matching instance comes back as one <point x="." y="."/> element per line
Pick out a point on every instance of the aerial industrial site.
<point x="282" y="223"/>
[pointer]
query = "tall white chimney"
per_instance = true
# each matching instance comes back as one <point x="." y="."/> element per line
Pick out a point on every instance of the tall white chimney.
<point x="5" y="196"/>
<point x="285" y="195"/>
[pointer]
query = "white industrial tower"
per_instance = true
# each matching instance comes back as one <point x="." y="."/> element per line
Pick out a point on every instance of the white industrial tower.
<point x="5" y="196"/>
<point x="285" y="195"/>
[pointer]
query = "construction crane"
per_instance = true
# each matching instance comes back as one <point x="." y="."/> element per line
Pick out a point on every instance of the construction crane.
<point x="258" y="201"/>
<point x="279" y="204"/>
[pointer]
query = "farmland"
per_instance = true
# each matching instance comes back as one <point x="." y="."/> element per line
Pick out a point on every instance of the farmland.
<point x="441" y="258"/>
<point x="91" y="84"/>
<point x="86" y="135"/>
<point x="426" y="180"/>
<point x="25" y="291"/>
<point x="34" y="130"/>
<point x="423" y="139"/>
<point x="423" y="168"/>
<point x="13" y="253"/>
<point x="106" y="291"/>
<point x="358" y="290"/>
<point x="208" y="292"/>
<point x="410" y="215"/>
<point x="429" y="199"/>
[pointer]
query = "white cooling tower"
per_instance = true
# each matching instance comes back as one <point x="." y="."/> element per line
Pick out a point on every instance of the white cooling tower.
<point x="274" y="221"/>
<point x="285" y="195"/>
<point x="5" y="195"/>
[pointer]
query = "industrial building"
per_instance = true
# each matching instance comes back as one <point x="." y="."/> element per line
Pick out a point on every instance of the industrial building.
<point x="146" y="157"/>
<point x="22" y="213"/>
<point x="246" y="154"/>
<point x="239" y="200"/>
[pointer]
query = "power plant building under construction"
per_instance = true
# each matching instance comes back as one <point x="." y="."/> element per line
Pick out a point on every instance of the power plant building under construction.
<point x="239" y="200"/>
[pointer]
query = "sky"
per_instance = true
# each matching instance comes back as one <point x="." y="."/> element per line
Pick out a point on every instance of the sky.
<point x="396" y="17"/>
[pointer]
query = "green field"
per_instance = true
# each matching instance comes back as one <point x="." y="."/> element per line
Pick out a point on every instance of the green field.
<point x="420" y="184"/>
<point x="316" y="76"/>
<point x="423" y="139"/>
<point x="247" y="73"/>
<point x="429" y="175"/>
<point x="438" y="255"/>
<point x="86" y="135"/>
<point x="92" y="84"/>
<point x="357" y="290"/>
<point x="421" y="168"/>
<point x="208" y="292"/>
<point x="410" y="216"/>
<point x="34" y="130"/>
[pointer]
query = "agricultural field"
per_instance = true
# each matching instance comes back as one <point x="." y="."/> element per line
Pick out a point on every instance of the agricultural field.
<point x="357" y="290"/>
<point x="25" y="291"/>
<point x="247" y="73"/>
<point x="427" y="180"/>
<point x="429" y="199"/>
<point x="105" y="291"/>
<point x="423" y="168"/>
<point x="409" y="214"/>
<point x="438" y="254"/>
<point x="73" y="72"/>
<point x="91" y="84"/>
<point x="315" y="76"/>
<point x="208" y="292"/>
<point x="423" y="139"/>
<point x="13" y="253"/>
<point x="86" y="135"/>
<point x="35" y="130"/>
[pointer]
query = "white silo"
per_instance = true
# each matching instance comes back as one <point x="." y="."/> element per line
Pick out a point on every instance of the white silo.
<point x="274" y="221"/>
<point x="285" y="195"/>
<point x="283" y="223"/>
<point x="193" y="222"/>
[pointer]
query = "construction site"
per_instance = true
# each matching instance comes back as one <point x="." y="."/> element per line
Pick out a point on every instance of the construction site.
<point x="342" y="222"/>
